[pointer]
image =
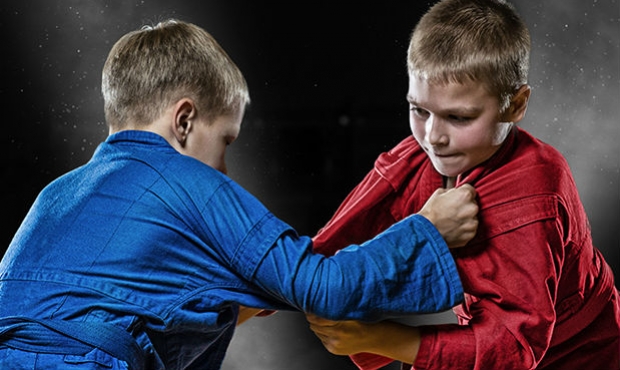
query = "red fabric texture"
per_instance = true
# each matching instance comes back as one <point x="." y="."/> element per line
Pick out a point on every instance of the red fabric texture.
<point x="538" y="293"/>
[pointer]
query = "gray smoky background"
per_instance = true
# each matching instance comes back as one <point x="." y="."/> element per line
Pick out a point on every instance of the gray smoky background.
<point x="328" y="89"/>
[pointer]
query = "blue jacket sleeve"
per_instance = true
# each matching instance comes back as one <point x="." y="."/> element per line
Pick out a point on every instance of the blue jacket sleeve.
<point x="406" y="269"/>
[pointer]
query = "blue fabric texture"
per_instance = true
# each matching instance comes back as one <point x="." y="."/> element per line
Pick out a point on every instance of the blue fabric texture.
<point x="166" y="248"/>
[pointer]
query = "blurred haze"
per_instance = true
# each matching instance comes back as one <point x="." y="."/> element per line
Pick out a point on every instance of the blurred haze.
<point x="328" y="89"/>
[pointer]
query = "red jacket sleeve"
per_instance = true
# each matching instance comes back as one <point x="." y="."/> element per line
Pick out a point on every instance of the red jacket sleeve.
<point x="368" y="209"/>
<point x="360" y="217"/>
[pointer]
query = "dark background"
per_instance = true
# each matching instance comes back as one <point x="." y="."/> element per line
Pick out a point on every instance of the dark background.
<point x="327" y="83"/>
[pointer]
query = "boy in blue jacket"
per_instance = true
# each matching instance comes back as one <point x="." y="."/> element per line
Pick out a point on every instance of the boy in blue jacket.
<point x="144" y="256"/>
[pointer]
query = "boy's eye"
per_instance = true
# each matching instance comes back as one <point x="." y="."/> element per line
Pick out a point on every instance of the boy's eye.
<point x="459" y="119"/>
<point x="422" y="113"/>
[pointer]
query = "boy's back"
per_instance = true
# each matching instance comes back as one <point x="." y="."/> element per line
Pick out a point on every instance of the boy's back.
<point x="104" y="230"/>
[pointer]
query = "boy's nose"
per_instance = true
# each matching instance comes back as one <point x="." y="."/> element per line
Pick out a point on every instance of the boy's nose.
<point x="435" y="133"/>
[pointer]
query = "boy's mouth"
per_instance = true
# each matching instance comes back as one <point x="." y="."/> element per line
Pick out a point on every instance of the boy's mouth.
<point x="444" y="155"/>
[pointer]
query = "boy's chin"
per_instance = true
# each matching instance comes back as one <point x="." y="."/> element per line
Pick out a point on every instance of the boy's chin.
<point x="447" y="172"/>
<point x="452" y="170"/>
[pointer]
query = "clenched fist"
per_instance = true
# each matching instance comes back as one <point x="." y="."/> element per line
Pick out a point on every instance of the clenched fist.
<point x="454" y="213"/>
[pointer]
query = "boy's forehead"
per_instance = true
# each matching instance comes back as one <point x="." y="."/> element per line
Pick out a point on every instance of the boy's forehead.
<point x="466" y="96"/>
<point x="440" y="78"/>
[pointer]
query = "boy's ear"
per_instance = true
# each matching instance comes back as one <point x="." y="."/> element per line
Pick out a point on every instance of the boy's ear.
<point x="184" y="113"/>
<point x="518" y="105"/>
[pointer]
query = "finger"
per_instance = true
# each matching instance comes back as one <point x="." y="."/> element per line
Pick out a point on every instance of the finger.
<point x="323" y="332"/>
<point x="472" y="210"/>
<point x="314" y="319"/>
<point x="468" y="188"/>
<point x="322" y="322"/>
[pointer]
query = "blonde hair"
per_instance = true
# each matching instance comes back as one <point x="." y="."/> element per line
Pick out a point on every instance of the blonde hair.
<point x="151" y="68"/>
<point x="472" y="40"/>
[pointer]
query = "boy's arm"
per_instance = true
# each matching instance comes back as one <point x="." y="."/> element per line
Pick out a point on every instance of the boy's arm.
<point x="392" y="340"/>
<point x="511" y="323"/>
<point x="405" y="269"/>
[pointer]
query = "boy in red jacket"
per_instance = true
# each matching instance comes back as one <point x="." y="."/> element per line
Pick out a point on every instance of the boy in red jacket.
<point x="538" y="293"/>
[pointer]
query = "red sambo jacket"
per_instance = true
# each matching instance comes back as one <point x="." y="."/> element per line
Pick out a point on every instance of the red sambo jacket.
<point x="538" y="294"/>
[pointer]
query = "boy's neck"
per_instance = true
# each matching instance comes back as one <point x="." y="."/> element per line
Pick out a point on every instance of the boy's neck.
<point x="449" y="182"/>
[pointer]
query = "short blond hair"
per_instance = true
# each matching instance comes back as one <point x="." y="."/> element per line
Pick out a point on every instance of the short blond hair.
<point x="151" y="68"/>
<point x="472" y="40"/>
